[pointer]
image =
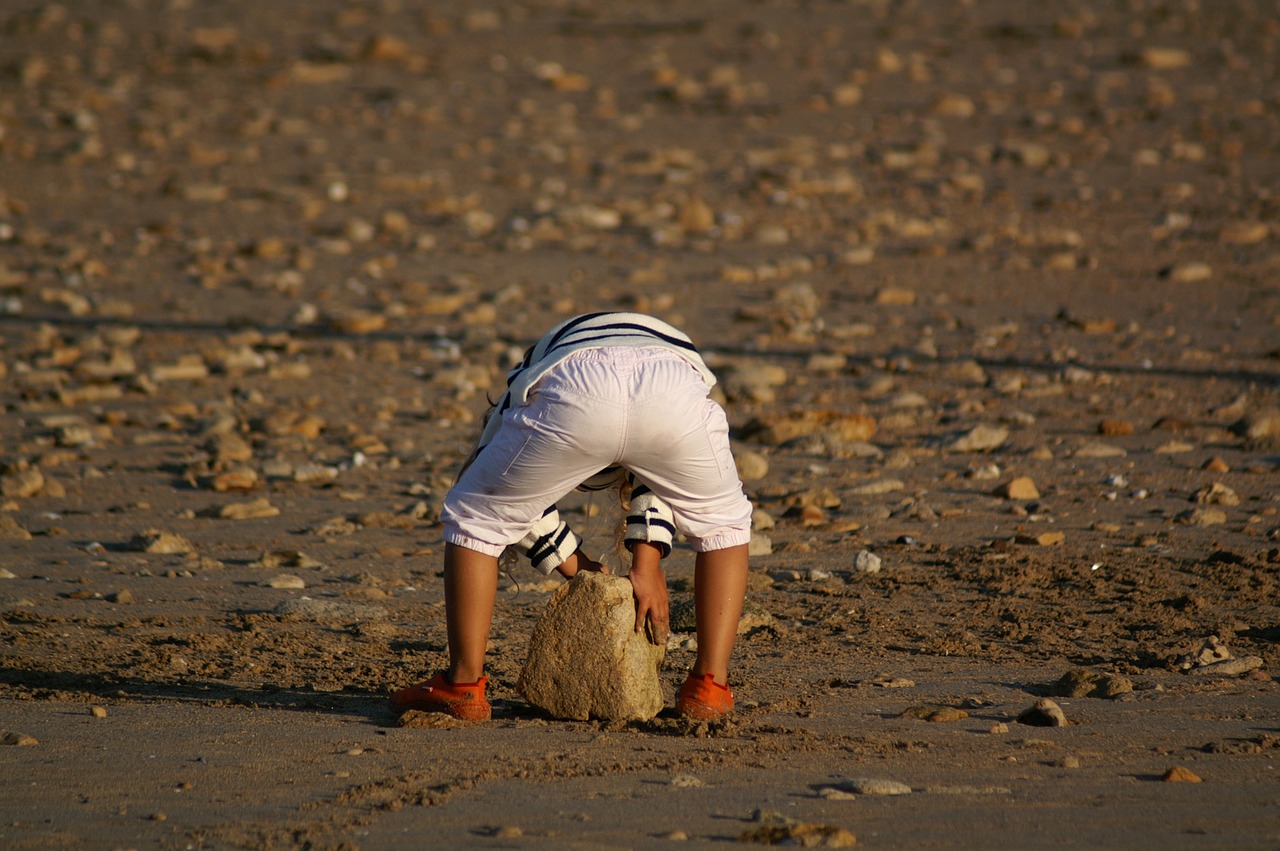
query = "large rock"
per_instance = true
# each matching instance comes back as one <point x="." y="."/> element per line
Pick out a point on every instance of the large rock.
<point x="585" y="658"/>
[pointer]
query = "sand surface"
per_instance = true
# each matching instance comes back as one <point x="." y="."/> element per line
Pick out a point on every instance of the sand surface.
<point x="993" y="291"/>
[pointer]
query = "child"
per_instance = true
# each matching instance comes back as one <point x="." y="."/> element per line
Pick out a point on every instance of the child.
<point x="598" y="395"/>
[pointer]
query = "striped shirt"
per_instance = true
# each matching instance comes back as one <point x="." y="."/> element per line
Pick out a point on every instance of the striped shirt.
<point x="589" y="331"/>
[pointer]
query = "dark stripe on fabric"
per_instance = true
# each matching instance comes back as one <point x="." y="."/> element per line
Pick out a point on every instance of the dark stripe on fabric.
<point x="645" y="520"/>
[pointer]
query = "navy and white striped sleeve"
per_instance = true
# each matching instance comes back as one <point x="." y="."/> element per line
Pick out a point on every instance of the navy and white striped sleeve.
<point x="650" y="520"/>
<point x="550" y="542"/>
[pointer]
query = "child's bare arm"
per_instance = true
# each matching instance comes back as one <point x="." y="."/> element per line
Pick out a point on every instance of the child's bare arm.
<point x="649" y="585"/>
<point x="579" y="561"/>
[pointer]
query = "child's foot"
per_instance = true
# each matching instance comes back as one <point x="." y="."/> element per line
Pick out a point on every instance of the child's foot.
<point x="461" y="700"/>
<point x="701" y="698"/>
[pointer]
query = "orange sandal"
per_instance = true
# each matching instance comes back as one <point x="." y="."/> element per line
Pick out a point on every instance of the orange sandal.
<point x="701" y="698"/>
<point x="461" y="700"/>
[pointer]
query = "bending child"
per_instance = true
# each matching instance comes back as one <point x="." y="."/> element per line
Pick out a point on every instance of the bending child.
<point x="600" y="396"/>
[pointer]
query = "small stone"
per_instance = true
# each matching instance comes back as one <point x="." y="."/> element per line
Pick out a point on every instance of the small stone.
<point x="998" y="729"/>
<point x="1216" y="465"/>
<point x="12" y="530"/>
<point x="123" y="597"/>
<point x="935" y="714"/>
<point x="1082" y="682"/>
<point x="1115" y="428"/>
<point x="982" y="438"/>
<point x="358" y="322"/>
<point x="873" y="786"/>
<point x="1045" y="713"/>
<point x="586" y="659"/>
<point x="879" y="487"/>
<point x="22" y="484"/>
<point x="314" y="474"/>
<point x="781" y="831"/>
<point x="1260" y="425"/>
<point x="241" y="479"/>
<point x="1216" y="494"/>
<point x="1044" y="539"/>
<point x="896" y="297"/>
<point x="160" y="542"/>
<point x="255" y="509"/>
<point x="1021" y="488"/>
<point x="1191" y="273"/>
<point x="761" y="544"/>
<point x="286" y="580"/>
<point x="1165" y="58"/>
<point x="1097" y="449"/>
<point x="98" y="711"/>
<point x="1180" y="774"/>
<point x="752" y="466"/>
<point x="867" y="562"/>
<point x="1069" y="762"/>
<point x="1201" y="517"/>
<point x="509" y="831"/>
<point x="1229" y="667"/>
<point x="1244" y="233"/>
<point x="686" y="781"/>
<point x="21" y="740"/>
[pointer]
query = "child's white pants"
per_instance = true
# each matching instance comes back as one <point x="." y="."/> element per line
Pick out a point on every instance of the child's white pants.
<point x="646" y="409"/>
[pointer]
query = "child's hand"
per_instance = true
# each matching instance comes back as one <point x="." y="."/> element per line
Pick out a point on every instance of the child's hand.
<point x="649" y="585"/>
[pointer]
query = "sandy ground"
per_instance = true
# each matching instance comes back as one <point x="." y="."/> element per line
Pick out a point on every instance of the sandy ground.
<point x="260" y="265"/>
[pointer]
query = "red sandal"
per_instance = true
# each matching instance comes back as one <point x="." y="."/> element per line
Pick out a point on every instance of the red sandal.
<point x="461" y="700"/>
<point x="701" y="698"/>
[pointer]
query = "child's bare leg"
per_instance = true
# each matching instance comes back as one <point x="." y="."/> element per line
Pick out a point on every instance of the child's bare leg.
<point x="470" y="588"/>
<point x="719" y="587"/>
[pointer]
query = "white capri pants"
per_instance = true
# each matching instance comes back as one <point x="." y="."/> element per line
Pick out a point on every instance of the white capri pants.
<point x="646" y="409"/>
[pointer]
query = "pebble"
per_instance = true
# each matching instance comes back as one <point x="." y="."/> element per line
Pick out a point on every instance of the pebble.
<point x="1180" y="774"/>
<point x="752" y="466"/>
<point x="1044" y="713"/>
<point x="1191" y="273"/>
<point x="935" y="714"/>
<point x="98" y="711"/>
<point x="161" y="542"/>
<point x="1044" y="539"/>
<point x="872" y="786"/>
<point x="16" y="739"/>
<point x="1165" y="58"/>
<point x="1201" y="517"/>
<point x="879" y="487"/>
<point x="982" y="438"/>
<point x="22" y="483"/>
<point x="685" y="781"/>
<point x="254" y="509"/>
<point x="1216" y="494"/>
<point x="12" y="530"/>
<point x="241" y="479"/>
<point x="1022" y="488"/>
<point x="1115" y="428"/>
<point x="1244" y="233"/>
<point x="1260" y="425"/>
<point x="1094" y="449"/>
<point x="286" y="580"/>
<point x="867" y="562"/>
<point x="1082" y="682"/>
<point x="1216" y="465"/>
